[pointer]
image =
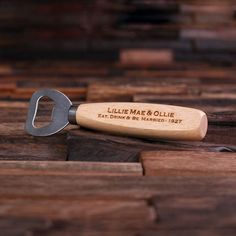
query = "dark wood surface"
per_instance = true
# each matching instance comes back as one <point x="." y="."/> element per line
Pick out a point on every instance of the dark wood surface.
<point x="83" y="182"/>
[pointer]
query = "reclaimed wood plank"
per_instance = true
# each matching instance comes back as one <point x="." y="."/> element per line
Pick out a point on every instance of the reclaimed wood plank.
<point x="37" y="151"/>
<point x="112" y="187"/>
<point x="145" y="57"/>
<point x="212" y="34"/>
<point x="16" y="144"/>
<point x="214" y="73"/>
<point x="200" y="97"/>
<point x="216" y="57"/>
<point x="188" y="163"/>
<point x="70" y="168"/>
<point x="223" y="118"/>
<point x="224" y="135"/>
<point x="125" y="92"/>
<point x="211" y="7"/>
<point x="61" y="216"/>
<point x="219" y="110"/>
<point x="195" y="212"/>
<point x="83" y="211"/>
<point x="76" y="93"/>
<point x="22" y="225"/>
<point x="186" y="232"/>
<point x="111" y="148"/>
<point x="215" y="45"/>
<point x="85" y="199"/>
<point x="184" y="45"/>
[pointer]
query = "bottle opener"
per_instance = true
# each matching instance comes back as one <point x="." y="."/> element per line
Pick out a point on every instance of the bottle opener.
<point x="123" y="118"/>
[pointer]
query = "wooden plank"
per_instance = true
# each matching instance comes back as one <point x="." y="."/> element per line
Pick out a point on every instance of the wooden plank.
<point x="76" y="93"/>
<point x="168" y="163"/>
<point x="227" y="99"/>
<point x="69" y="168"/>
<point x="145" y="57"/>
<point x="219" y="110"/>
<point x="187" y="232"/>
<point x="213" y="34"/>
<point x="222" y="18"/>
<point x="216" y="57"/>
<point x="216" y="73"/>
<point x="211" y="7"/>
<point x="62" y="216"/>
<point x="25" y="93"/>
<point x="22" y="225"/>
<point x="215" y="45"/>
<point x="16" y="144"/>
<point x="34" y="150"/>
<point x="103" y="200"/>
<point x="112" y="187"/>
<point x="223" y="118"/>
<point x="111" y="148"/>
<point x="84" y="211"/>
<point x="5" y="69"/>
<point x="125" y="92"/>
<point x="221" y="135"/>
<point x="203" y="211"/>
<point x="104" y="44"/>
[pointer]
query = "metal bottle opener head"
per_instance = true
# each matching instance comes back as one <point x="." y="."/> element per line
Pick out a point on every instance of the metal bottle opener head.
<point x="60" y="113"/>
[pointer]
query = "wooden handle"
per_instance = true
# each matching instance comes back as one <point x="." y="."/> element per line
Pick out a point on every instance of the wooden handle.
<point x="144" y="120"/>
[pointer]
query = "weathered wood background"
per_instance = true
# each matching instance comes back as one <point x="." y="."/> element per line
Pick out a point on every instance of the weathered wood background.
<point x="81" y="182"/>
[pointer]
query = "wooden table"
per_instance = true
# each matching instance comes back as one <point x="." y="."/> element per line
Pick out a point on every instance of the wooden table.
<point x="82" y="182"/>
<point x="89" y="183"/>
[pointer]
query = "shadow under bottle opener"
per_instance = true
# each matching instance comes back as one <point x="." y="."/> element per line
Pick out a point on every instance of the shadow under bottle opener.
<point x="125" y="118"/>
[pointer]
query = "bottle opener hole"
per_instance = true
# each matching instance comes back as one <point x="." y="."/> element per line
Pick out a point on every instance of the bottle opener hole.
<point x="44" y="112"/>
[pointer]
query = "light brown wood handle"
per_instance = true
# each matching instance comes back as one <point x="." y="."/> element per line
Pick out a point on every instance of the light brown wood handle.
<point x="144" y="120"/>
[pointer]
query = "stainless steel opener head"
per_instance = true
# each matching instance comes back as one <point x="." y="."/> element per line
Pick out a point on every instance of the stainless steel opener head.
<point x="59" y="113"/>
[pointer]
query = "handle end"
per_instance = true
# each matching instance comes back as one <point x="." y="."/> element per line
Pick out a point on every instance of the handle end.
<point x="203" y="126"/>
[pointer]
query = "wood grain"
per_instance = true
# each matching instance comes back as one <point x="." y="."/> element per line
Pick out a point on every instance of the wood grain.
<point x="195" y="212"/>
<point x="187" y="163"/>
<point x="28" y="147"/>
<point x="144" y="120"/>
<point x="124" y="92"/>
<point x="69" y="168"/>
<point x="141" y="199"/>
<point x="111" y="148"/>
<point x="114" y="188"/>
